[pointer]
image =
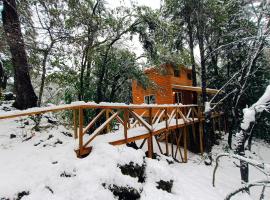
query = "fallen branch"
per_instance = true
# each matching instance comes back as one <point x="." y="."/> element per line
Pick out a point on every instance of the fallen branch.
<point x="262" y="167"/>
<point x="264" y="183"/>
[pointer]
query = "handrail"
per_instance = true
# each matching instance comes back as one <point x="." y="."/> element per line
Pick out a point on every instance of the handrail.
<point x="160" y="119"/>
<point x="83" y="105"/>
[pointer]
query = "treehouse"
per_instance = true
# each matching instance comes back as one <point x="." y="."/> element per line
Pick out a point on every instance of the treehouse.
<point x="169" y="85"/>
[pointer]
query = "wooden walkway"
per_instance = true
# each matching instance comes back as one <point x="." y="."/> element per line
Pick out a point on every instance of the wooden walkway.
<point x="166" y="125"/>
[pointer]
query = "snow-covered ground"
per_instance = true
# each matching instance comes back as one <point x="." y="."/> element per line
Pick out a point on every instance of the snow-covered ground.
<point x="43" y="165"/>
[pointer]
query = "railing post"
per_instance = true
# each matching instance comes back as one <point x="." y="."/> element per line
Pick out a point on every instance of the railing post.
<point x="107" y="117"/>
<point x="80" y="131"/>
<point x="193" y="127"/>
<point x="150" y="139"/>
<point x="167" y="129"/>
<point x="185" y="143"/>
<point x="200" y="129"/>
<point x="126" y="119"/>
<point x="75" y="124"/>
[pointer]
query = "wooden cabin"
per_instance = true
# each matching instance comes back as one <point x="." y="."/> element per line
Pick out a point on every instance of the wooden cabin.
<point x="169" y="85"/>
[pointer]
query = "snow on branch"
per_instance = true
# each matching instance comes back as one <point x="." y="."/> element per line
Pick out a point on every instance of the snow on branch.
<point x="261" y="166"/>
<point x="250" y="113"/>
<point x="264" y="183"/>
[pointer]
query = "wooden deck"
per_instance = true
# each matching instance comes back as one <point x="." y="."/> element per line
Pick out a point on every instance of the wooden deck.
<point x="166" y="125"/>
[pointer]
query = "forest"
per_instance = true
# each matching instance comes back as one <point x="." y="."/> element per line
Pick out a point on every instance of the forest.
<point x="57" y="52"/>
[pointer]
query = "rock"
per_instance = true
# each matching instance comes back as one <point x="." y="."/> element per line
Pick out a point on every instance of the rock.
<point x="50" y="136"/>
<point x="67" y="175"/>
<point x="52" y="121"/>
<point x="12" y="136"/>
<point x="134" y="170"/>
<point x="165" y="185"/>
<point x="6" y="109"/>
<point x="8" y="96"/>
<point x="58" y="142"/>
<point x="132" y="145"/>
<point x="123" y="193"/>
<point x="68" y="134"/>
<point x="20" y="195"/>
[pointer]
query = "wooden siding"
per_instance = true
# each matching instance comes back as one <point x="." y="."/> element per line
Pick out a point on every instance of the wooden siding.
<point x="162" y="87"/>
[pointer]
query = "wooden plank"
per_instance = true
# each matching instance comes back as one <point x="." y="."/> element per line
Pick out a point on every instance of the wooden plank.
<point x="118" y="118"/>
<point x="131" y="139"/>
<point x="160" y="149"/>
<point x="136" y="121"/>
<point x="100" y="128"/>
<point x="140" y="119"/>
<point x="126" y="119"/>
<point x="93" y="121"/>
<point x="38" y="110"/>
<point x="142" y="143"/>
<point x="158" y="119"/>
<point x="156" y="115"/>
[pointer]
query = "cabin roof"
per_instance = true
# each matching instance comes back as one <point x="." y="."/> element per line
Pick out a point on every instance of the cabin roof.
<point x="195" y="89"/>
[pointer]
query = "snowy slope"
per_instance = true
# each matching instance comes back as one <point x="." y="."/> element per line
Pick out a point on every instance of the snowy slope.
<point x="44" y="165"/>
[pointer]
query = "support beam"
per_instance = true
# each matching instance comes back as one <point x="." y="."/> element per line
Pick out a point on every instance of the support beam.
<point x="150" y="139"/>
<point x="185" y="144"/>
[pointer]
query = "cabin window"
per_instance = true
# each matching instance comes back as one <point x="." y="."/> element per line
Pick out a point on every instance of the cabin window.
<point x="176" y="72"/>
<point x="150" y="99"/>
<point x="189" y="76"/>
<point x="178" y="97"/>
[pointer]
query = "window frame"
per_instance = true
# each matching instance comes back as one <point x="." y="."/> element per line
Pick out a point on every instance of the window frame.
<point x="176" y="73"/>
<point x="149" y="100"/>
<point x="176" y="97"/>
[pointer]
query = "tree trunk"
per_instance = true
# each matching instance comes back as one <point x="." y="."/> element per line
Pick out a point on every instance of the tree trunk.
<point x="240" y="150"/>
<point x="207" y="123"/>
<point x="43" y="75"/>
<point x="25" y="95"/>
<point x="191" y="47"/>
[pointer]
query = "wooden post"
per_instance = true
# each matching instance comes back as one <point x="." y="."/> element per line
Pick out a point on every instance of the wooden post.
<point x="171" y="136"/>
<point x="166" y="136"/>
<point x="81" y="131"/>
<point x="75" y="124"/>
<point x="200" y="130"/>
<point x="125" y="123"/>
<point x="150" y="139"/>
<point x="107" y="117"/>
<point x="193" y="128"/>
<point x="185" y="143"/>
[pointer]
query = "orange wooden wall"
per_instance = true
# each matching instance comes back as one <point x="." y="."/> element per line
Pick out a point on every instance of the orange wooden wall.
<point x="163" y="85"/>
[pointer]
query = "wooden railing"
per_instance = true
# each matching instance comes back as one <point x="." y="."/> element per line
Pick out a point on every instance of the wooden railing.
<point x="164" y="124"/>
